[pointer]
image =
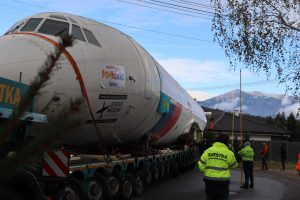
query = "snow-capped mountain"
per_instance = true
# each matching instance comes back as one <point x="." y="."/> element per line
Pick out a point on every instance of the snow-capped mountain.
<point x="254" y="103"/>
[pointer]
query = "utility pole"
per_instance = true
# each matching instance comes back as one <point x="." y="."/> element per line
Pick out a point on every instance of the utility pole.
<point x="241" y="122"/>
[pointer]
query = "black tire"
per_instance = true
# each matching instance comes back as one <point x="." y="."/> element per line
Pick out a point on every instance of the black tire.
<point x="155" y="172"/>
<point x="175" y="168"/>
<point x="72" y="190"/>
<point x="113" y="185"/>
<point x="148" y="175"/>
<point x="10" y="194"/>
<point x="95" y="190"/>
<point x="138" y="183"/>
<point x="168" y="168"/>
<point x="162" y="169"/>
<point x="127" y="187"/>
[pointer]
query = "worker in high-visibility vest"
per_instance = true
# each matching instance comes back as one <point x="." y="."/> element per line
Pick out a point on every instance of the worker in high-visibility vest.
<point x="215" y="164"/>
<point x="247" y="155"/>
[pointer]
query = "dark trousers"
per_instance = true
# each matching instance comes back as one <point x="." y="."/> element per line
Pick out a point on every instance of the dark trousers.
<point x="248" y="171"/>
<point x="216" y="193"/>
<point x="264" y="163"/>
<point x="283" y="163"/>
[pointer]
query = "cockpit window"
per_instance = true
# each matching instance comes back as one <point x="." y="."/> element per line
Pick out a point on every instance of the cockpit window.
<point x="77" y="33"/>
<point x="56" y="28"/>
<point x="31" y="24"/>
<point x="58" y="17"/>
<point x="15" y="27"/>
<point x="91" y="38"/>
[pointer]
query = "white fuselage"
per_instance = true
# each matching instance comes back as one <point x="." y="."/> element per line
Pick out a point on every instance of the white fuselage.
<point x="123" y="83"/>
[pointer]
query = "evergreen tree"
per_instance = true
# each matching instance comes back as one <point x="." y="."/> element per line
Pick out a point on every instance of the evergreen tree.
<point x="269" y="120"/>
<point x="291" y="124"/>
<point x="279" y="120"/>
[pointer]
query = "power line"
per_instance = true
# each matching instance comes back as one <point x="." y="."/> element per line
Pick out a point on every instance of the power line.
<point x="154" y="31"/>
<point x="181" y="8"/>
<point x="195" y="4"/>
<point x="129" y="26"/>
<point x="34" y="5"/>
<point x="163" y="9"/>
<point x="185" y="7"/>
<point x="9" y="6"/>
<point x="237" y="85"/>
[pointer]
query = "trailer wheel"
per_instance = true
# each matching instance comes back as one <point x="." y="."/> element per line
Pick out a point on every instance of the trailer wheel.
<point x="95" y="189"/>
<point x="167" y="164"/>
<point x="148" y="175"/>
<point x="127" y="187"/>
<point x="72" y="190"/>
<point x="138" y="183"/>
<point x="155" y="172"/>
<point x="175" y="168"/>
<point x="112" y="185"/>
<point x="8" y="193"/>
<point x="162" y="169"/>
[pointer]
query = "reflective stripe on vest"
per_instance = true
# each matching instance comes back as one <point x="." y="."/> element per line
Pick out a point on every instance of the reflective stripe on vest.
<point x="217" y="178"/>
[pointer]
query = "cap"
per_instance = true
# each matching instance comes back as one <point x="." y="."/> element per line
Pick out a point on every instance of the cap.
<point x="247" y="143"/>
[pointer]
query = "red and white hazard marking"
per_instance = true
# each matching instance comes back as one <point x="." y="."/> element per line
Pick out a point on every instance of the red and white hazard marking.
<point x="55" y="163"/>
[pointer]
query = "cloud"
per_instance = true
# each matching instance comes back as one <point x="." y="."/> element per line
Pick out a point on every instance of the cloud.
<point x="286" y="100"/>
<point x="195" y="71"/>
<point x="294" y="108"/>
<point x="226" y="106"/>
<point x="200" y="96"/>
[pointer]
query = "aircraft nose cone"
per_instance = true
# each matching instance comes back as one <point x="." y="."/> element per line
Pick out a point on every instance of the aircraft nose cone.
<point x="21" y="58"/>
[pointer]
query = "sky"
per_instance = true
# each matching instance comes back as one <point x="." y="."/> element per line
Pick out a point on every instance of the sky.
<point x="180" y="39"/>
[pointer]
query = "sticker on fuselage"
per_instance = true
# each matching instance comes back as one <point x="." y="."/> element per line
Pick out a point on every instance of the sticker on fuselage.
<point x="112" y="76"/>
<point x="112" y="96"/>
<point x="109" y="108"/>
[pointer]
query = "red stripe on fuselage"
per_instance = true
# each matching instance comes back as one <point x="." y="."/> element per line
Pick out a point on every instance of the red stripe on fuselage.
<point x="75" y="67"/>
<point x="169" y="125"/>
<point x="68" y="56"/>
<point x="77" y="72"/>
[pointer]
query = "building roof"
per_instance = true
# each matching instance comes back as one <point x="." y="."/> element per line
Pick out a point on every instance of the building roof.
<point x="223" y="122"/>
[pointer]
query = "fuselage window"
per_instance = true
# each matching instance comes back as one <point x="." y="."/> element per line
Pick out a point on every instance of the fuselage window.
<point x="56" y="28"/>
<point x="31" y="24"/>
<point x="15" y="27"/>
<point x="77" y="33"/>
<point x="91" y="38"/>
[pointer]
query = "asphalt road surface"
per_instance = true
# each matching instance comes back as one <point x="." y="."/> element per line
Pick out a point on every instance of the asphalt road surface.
<point x="271" y="184"/>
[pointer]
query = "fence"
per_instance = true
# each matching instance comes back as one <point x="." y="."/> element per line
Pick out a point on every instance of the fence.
<point x="292" y="149"/>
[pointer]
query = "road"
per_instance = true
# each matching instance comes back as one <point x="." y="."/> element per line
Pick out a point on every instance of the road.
<point x="272" y="184"/>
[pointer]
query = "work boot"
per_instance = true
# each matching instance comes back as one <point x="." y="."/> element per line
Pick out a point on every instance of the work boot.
<point x="251" y="186"/>
<point x="244" y="186"/>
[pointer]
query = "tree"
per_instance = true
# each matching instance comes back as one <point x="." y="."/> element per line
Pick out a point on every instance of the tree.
<point x="291" y="124"/>
<point x="262" y="34"/>
<point x="269" y="120"/>
<point x="279" y="120"/>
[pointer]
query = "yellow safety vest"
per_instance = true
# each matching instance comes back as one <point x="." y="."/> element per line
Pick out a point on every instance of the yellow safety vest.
<point x="247" y="154"/>
<point x="216" y="162"/>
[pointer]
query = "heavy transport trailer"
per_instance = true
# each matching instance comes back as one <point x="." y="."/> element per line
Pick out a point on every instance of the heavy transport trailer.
<point x="63" y="174"/>
<point x="60" y="175"/>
